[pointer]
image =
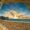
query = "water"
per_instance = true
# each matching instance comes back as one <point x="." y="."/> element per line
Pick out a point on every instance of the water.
<point x="18" y="20"/>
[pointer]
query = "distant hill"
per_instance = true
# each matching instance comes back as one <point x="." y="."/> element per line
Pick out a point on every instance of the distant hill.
<point x="4" y="18"/>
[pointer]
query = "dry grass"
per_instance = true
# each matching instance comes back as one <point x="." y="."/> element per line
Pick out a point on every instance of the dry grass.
<point x="16" y="26"/>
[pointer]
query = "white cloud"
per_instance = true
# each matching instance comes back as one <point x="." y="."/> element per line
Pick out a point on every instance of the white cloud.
<point x="23" y="13"/>
<point x="10" y="14"/>
<point x="13" y="14"/>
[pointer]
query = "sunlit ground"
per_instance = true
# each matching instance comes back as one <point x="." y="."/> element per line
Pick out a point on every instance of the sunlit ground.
<point x="14" y="25"/>
<point x="2" y="27"/>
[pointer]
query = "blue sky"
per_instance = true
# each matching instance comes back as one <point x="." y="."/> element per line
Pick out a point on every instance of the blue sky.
<point x="19" y="7"/>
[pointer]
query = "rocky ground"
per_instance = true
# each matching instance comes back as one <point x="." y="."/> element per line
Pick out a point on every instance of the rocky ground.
<point x="15" y="25"/>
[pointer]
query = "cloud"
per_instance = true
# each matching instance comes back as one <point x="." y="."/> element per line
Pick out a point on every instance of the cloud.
<point x="13" y="14"/>
<point x="10" y="14"/>
<point x="23" y="13"/>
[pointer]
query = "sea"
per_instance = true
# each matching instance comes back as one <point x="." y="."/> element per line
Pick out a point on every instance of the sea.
<point x="18" y="20"/>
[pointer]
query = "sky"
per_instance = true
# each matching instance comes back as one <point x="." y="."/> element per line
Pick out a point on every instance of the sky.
<point x="18" y="7"/>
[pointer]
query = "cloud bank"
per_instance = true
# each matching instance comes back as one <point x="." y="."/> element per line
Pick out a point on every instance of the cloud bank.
<point x="14" y="14"/>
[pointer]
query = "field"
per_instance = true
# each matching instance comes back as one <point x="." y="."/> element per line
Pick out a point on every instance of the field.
<point x="16" y="25"/>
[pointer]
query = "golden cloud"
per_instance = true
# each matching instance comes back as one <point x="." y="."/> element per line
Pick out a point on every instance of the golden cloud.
<point x="15" y="15"/>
